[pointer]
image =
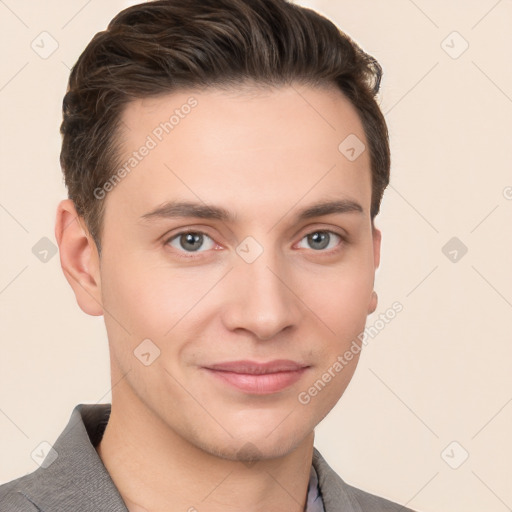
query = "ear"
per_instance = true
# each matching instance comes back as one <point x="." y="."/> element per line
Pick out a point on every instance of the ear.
<point x="79" y="258"/>
<point x="377" y="238"/>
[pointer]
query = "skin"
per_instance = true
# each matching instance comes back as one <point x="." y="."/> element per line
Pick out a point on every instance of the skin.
<point x="179" y="436"/>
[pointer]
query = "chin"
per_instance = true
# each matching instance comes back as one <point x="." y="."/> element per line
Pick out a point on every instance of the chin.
<point x="251" y="452"/>
<point x="253" y="447"/>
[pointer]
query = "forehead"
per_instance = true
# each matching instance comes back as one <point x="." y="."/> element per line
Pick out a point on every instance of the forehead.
<point x="246" y="147"/>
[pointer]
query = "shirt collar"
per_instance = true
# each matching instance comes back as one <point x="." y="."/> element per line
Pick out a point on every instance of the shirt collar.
<point x="314" y="501"/>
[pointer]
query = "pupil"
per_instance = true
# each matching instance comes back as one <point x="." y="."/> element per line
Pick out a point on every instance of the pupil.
<point x="319" y="238"/>
<point x="193" y="238"/>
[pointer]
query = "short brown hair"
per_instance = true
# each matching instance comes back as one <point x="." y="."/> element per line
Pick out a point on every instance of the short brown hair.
<point x="161" y="46"/>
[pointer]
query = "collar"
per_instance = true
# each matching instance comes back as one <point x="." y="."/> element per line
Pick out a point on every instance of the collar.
<point x="314" y="501"/>
<point x="77" y="478"/>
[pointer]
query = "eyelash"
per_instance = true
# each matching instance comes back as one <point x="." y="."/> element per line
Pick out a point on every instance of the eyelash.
<point x="193" y="254"/>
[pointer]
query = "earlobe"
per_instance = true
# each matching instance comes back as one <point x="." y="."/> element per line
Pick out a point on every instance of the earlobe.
<point x="79" y="258"/>
<point x="373" y="302"/>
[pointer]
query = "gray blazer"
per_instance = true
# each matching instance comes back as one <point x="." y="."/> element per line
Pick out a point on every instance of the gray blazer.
<point x="74" y="479"/>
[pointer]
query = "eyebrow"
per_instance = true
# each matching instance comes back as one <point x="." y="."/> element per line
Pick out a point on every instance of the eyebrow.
<point x="173" y="209"/>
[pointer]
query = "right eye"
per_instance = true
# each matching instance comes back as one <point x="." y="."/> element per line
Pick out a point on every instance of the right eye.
<point x="190" y="241"/>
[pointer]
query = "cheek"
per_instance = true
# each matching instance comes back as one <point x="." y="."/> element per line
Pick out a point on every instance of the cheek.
<point x="342" y="299"/>
<point x="149" y="299"/>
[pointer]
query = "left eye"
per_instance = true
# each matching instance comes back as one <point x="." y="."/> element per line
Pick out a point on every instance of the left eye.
<point x="320" y="240"/>
<point x="191" y="241"/>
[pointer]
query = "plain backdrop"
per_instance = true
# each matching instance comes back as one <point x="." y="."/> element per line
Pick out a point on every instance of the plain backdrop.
<point x="427" y="418"/>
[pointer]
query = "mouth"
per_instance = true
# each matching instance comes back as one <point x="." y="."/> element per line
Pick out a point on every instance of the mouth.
<point x="258" y="378"/>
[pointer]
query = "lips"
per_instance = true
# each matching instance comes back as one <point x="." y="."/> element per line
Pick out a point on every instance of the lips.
<point x="258" y="378"/>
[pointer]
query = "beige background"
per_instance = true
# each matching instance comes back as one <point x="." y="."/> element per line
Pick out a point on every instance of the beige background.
<point x="438" y="373"/>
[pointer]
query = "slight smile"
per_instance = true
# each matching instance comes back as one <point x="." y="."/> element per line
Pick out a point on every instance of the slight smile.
<point x="258" y="378"/>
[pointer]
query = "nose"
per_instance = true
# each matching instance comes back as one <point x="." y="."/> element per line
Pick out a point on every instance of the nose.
<point x="261" y="298"/>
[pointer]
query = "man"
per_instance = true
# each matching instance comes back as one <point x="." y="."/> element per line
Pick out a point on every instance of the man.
<point x="225" y="161"/>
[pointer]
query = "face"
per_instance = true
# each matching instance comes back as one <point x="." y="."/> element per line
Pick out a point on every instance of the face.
<point x="239" y="246"/>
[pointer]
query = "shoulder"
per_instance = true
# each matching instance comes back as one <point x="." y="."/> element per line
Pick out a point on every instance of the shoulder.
<point x="12" y="497"/>
<point x="71" y="475"/>
<point x="369" y="501"/>
<point x="337" y="495"/>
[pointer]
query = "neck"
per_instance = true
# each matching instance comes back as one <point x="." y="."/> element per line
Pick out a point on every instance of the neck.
<point x="156" y="470"/>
